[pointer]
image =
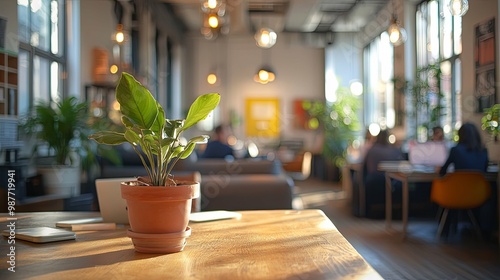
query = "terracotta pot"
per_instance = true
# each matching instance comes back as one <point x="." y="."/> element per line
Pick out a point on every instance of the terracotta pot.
<point x="155" y="212"/>
<point x="159" y="243"/>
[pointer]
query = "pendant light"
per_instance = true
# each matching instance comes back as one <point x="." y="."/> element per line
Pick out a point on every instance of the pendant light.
<point x="213" y="77"/>
<point x="264" y="74"/>
<point x="215" y="18"/>
<point x="458" y="7"/>
<point x="397" y="34"/>
<point x="265" y="37"/>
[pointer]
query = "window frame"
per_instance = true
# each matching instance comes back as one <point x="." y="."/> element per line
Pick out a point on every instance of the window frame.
<point x="443" y="107"/>
<point x="32" y="52"/>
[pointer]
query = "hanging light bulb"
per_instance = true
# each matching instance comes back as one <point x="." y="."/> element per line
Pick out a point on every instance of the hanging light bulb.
<point x="211" y="4"/>
<point x="458" y="7"/>
<point x="207" y="5"/>
<point x="264" y="75"/>
<point x="119" y="36"/>
<point x="397" y="34"/>
<point x="265" y="37"/>
<point x="213" y="21"/>
<point x="212" y="78"/>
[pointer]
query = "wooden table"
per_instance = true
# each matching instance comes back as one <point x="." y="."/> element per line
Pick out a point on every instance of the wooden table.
<point x="354" y="177"/>
<point x="406" y="173"/>
<point x="269" y="244"/>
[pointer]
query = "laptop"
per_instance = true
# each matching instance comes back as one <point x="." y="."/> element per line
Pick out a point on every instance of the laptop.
<point x="111" y="204"/>
<point x="428" y="153"/>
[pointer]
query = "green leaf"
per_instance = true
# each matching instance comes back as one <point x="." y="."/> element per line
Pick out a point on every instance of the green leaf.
<point x="149" y="138"/>
<point x="108" y="137"/>
<point x="159" y="122"/>
<point x="187" y="151"/>
<point x="132" y="137"/>
<point x="136" y="102"/>
<point x="127" y="122"/>
<point x="167" y="141"/>
<point x="201" y="108"/>
<point x="202" y="139"/>
<point x="173" y="128"/>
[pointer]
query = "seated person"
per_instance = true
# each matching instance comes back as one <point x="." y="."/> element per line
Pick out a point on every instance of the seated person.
<point x="374" y="180"/>
<point x="357" y="155"/>
<point x="217" y="146"/>
<point x="437" y="134"/>
<point x="471" y="154"/>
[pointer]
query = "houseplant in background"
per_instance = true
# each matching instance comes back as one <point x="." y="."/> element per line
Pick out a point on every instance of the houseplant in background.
<point x="490" y="122"/>
<point x="61" y="130"/>
<point x="340" y="125"/>
<point x="158" y="205"/>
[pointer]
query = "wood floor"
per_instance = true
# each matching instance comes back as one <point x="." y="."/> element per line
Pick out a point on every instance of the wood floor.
<point x="419" y="256"/>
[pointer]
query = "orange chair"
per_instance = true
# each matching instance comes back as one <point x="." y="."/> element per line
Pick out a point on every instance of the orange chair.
<point x="461" y="190"/>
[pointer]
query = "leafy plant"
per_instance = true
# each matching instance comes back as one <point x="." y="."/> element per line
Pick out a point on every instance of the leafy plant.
<point x="57" y="125"/>
<point x="339" y="122"/>
<point x="426" y="98"/>
<point x="63" y="127"/>
<point x="490" y="122"/>
<point x="155" y="138"/>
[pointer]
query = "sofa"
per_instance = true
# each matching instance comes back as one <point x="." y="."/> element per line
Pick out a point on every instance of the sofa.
<point x="241" y="184"/>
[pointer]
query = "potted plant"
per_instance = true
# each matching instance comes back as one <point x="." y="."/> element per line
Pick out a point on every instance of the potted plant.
<point x="62" y="128"/>
<point x="158" y="205"/>
<point x="340" y="125"/>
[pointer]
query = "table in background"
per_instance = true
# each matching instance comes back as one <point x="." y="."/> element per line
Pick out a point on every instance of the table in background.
<point x="405" y="172"/>
<point x="353" y="185"/>
<point x="268" y="244"/>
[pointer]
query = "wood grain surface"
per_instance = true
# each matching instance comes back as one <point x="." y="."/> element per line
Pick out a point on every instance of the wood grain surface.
<point x="269" y="244"/>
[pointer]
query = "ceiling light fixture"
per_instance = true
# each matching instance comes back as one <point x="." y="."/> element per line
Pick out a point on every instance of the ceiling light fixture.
<point x="215" y="18"/>
<point x="213" y="21"/>
<point x="397" y="34"/>
<point x="119" y="35"/>
<point x="208" y="5"/>
<point x="212" y="78"/>
<point x="458" y="7"/>
<point x="265" y="37"/>
<point x="264" y="75"/>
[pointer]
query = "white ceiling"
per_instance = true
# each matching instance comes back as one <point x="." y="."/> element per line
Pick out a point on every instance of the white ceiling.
<point x="318" y="16"/>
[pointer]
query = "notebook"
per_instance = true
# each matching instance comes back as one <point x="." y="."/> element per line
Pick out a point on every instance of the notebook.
<point x="41" y="234"/>
<point x="111" y="204"/>
<point x="428" y="153"/>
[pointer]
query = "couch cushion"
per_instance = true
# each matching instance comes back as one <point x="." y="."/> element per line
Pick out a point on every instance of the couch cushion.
<point x="246" y="192"/>
<point x="236" y="167"/>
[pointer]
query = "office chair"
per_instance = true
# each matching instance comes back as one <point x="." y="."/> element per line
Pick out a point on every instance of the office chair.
<point x="460" y="190"/>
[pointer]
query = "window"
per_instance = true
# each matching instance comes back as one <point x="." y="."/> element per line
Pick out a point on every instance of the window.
<point x="41" y="51"/>
<point x="436" y="91"/>
<point x="379" y="97"/>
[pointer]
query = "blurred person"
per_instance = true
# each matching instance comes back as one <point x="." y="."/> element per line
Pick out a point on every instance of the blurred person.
<point x="469" y="153"/>
<point x="217" y="146"/>
<point x="357" y="155"/>
<point x="381" y="150"/>
<point x="437" y="134"/>
<point x="374" y="179"/>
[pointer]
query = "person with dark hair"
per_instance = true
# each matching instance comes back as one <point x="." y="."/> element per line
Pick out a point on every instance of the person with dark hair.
<point x="374" y="179"/>
<point x="437" y="134"/>
<point x="217" y="147"/>
<point x="381" y="150"/>
<point x="469" y="153"/>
